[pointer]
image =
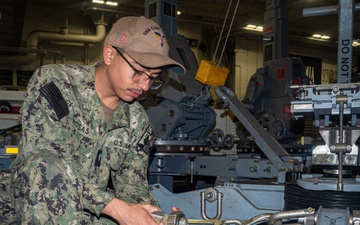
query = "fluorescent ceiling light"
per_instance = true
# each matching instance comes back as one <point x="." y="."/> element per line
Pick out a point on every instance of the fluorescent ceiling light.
<point x="325" y="37"/>
<point x="320" y="36"/>
<point x="253" y="27"/>
<point x="111" y="3"/>
<point x="98" y="1"/>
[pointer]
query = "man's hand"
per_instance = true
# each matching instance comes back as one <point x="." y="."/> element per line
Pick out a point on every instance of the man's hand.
<point x="130" y="214"/>
<point x="174" y="209"/>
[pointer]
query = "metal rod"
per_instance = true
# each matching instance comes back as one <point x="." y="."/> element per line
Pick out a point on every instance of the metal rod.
<point x="276" y="217"/>
<point x="257" y="219"/>
<point x="320" y="11"/>
<point x="340" y="184"/>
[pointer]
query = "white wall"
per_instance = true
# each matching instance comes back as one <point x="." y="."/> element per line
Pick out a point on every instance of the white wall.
<point x="249" y="57"/>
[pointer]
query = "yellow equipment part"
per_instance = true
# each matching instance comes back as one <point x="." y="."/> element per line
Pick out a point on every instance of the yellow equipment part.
<point x="209" y="73"/>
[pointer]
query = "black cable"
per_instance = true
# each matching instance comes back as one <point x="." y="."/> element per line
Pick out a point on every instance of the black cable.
<point x="296" y="197"/>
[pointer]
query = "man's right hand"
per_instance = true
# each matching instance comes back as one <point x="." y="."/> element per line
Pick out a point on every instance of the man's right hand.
<point x="130" y="214"/>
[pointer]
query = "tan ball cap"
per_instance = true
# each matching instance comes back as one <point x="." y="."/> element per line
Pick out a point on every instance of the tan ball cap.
<point x="143" y="40"/>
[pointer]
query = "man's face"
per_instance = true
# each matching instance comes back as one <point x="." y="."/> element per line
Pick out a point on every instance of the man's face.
<point x="129" y="79"/>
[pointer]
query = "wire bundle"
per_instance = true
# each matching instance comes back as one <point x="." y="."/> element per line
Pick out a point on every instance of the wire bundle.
<point x="296" y="197"/>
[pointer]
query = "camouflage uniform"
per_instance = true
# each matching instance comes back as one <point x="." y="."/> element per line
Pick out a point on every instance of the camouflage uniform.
<point x="68" y="153"/>
<point x="7" y="211"/>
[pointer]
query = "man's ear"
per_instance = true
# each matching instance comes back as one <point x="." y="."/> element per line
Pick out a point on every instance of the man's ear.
<point x="108" y="54"/>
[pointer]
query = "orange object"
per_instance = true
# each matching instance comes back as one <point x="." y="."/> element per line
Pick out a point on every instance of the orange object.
<point x="209" y="73"/>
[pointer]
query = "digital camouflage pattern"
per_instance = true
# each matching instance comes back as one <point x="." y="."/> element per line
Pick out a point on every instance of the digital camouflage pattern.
<point x="7" y="212"/>
<point x="68" y="153"/>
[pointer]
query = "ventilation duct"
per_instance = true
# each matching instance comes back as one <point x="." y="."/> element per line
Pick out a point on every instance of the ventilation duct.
<point x="63" y="36"/>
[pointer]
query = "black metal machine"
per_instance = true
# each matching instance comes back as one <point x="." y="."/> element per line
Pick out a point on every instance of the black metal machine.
<point x="275" y="179"/>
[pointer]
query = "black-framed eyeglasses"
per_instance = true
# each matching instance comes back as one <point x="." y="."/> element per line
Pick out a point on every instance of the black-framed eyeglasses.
<point x="141" y="77"/>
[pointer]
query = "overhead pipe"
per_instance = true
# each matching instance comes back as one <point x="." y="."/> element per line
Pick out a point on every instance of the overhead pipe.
<point x="64" y="36"/>
<point x="36" y="36"/>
